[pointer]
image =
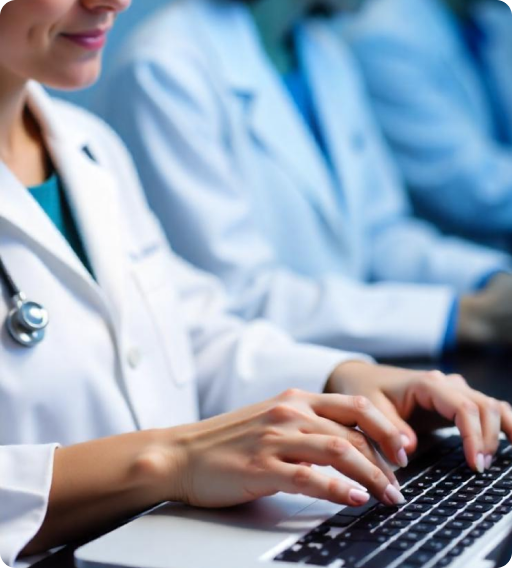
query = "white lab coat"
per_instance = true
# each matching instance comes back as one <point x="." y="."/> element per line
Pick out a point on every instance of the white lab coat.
<point x="146" y="346"/>
<point x="432" y="104"/>
<point x="220" y="146"/>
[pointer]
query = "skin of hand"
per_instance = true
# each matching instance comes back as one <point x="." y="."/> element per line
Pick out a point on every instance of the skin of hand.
<point x="486" y="317"/>
<point x="269" y="447"/>
<point x="400" y="394"/>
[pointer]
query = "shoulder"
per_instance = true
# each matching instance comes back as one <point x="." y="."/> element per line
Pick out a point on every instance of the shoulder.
<point x="172" y="31"/>
<point x="403" y="24"/>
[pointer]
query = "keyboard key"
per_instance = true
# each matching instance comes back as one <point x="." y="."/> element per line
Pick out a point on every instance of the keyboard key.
<point x="477" y="507"/>
<point x="443" y="562"/>
<point x="399" y="544"/>
<point x="439" y="492"/>
<point x="504" y="509"/>
<point x="448" y="534"/>
<point x="480" y="482"/>
<point x="485" y="525"/>
<point x="419" y="507"/>
<point x="383" y="558"/>
<point x="408" y="492"/>
<point x="470" y="516"/>
<point x="359" y="511"/>
<point x="433" y="520"/>
<point x="387" y="531"/>
<point x="421" y="556"/>
<point x="434" y="546"/>
<point x="320" y="559"/>
<point x="366" y="524"/>
<point x="473" y="490"/>
<point x="444" y="511"/>
<point x="427" y="500"/>
<point x="462" y="496"/>
<point x="494" y="517"/>
<point x="498" y="491"/>
<point x="408" y="515"/>
<point x="456" y="551"/>
<point x="424" y="528"/>
<point x="397" y="524"/>
<point x="359" y="551"/>
<point x="466" y="542"/>
<point x="412" y="536"/>
<point x="459" y="525"/>
<point x="385" y="510"/>
<point x="328" y="553"/>
<point x="489" y="499"/>
<point x="340" y="521"/>
<point x="358" y="536"/>
<point x="454" y="504"/>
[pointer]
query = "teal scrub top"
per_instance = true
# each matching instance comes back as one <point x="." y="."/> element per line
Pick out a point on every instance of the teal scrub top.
<point x="52" y="199"/>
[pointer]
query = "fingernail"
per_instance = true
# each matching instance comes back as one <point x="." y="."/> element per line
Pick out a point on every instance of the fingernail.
<point x="405" y="440"/>
<point x="358" y="497"/>
<point x="480" y="463"/>
<point x="488" y="462"/>
<point x="393" y="496"/>
<point x="402" y="458"/>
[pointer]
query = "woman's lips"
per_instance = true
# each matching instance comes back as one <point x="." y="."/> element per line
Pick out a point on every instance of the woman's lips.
<point x="92" y="41"/>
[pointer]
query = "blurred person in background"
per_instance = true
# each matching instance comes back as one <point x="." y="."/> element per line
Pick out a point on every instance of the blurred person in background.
<point x="440" y="76"/>
<point x="249" y="122"/>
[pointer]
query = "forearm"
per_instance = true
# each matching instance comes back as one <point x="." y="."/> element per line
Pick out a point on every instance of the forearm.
<point x="98" y="483"/>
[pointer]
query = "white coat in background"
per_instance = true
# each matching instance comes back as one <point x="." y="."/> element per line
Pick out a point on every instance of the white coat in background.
<point x="431" y="102"/>
<point x="147" y="345"/>
<point x="222" y="148"/>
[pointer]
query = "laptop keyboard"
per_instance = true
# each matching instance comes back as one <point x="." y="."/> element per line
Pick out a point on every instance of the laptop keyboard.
<point x="448" y="508"/>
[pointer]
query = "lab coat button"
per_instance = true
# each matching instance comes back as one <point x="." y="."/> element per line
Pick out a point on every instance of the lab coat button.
<point x="134" y="357"/>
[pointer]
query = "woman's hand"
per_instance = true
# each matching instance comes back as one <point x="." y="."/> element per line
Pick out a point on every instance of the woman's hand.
<point x="269" y="447"/>
<point x="400" y="393"/>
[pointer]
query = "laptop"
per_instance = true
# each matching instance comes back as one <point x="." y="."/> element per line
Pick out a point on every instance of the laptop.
<point x="453" y="518"/>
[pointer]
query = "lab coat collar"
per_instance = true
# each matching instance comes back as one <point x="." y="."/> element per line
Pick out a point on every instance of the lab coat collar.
<point x="271" y="115"/>
<point x="91" y="193"/>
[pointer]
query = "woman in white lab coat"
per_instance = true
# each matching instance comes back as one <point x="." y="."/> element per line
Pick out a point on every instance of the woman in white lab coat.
<point x="98" y="416"/>
<point x="252" y="124"/>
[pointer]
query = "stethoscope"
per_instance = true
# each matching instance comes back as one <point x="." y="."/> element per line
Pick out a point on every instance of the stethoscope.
<point x="26" y="321"/>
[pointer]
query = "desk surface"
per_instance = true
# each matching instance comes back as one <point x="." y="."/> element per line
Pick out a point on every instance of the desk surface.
<point x="489" y="371"/>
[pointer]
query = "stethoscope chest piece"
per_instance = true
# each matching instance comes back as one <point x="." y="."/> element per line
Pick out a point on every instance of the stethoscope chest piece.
<point x="27" y="321"/>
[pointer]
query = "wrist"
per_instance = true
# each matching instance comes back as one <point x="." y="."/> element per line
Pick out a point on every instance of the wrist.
<point x="336" y="381"/>
<point x="158" y="466"/>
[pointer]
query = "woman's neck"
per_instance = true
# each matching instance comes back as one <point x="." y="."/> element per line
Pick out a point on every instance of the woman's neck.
<point x="275" y="20"/>
<point x="21" y="144"/>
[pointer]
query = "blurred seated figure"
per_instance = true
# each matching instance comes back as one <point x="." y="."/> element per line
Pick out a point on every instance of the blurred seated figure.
<point x="251" y="131"/>
<point x="440" y="76"/>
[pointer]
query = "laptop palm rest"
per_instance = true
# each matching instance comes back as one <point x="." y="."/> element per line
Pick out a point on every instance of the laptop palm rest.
<point x="177" y="536"/>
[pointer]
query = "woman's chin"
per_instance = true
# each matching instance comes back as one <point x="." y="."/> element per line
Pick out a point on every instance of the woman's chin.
<point x="74" y="79"/>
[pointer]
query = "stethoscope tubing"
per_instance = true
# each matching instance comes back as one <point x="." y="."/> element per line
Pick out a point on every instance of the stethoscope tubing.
<point x="12" y="289"/>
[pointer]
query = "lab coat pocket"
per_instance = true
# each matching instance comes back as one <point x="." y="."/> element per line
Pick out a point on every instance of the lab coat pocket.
<point x="153" y="275"/>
